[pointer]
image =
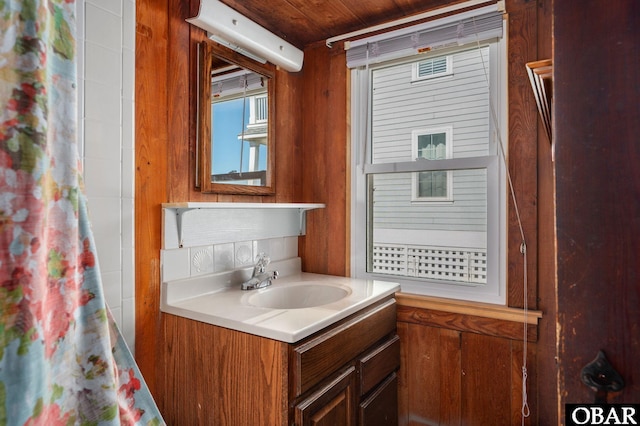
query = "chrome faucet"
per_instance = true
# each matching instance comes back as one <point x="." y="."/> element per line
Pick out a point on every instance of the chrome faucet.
<point x="260" y="277"/>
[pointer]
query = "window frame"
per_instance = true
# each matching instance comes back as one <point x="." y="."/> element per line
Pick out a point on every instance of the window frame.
<point x="494" y="291"/>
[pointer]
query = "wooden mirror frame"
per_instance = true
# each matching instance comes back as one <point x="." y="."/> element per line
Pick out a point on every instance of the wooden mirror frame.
<point x="207" y="51"/>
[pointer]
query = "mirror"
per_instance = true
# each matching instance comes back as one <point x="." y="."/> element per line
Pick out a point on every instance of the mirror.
<point x="235" y="115"/>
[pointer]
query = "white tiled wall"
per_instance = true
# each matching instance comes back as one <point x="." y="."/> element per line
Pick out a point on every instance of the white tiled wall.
<point x="194" y="261"/>
<point x="106" y="61"/>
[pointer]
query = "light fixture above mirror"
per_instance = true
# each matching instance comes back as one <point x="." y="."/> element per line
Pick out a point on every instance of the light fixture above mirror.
<point x="233" y="30"/>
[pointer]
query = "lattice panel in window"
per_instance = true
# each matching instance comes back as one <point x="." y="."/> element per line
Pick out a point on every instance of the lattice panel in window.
<point x="390" y="259"/>
<point x="478" y="267"/>
<point x="439" y="263"/>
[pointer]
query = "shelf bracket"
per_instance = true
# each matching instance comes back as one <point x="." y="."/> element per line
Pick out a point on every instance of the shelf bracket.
<point x="179" y="214"/>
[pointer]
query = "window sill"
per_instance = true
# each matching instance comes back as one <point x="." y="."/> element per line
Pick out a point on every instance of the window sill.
<point x="476" y="309"/>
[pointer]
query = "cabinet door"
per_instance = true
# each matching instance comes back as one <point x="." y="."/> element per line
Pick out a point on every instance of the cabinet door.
<point x="380" y="408"/>
<point x="333" y="404"/>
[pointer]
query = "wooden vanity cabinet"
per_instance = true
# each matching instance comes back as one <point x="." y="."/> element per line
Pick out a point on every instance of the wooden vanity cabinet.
<point x="379" y="384"/>
<point x="343" y="375"/>
<point x="345" y="369"/>
<point x="334" y="403"/>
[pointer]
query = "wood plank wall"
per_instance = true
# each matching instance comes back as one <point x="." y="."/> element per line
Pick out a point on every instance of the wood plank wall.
<point x="151" y="175"/>
<point x="596" y="124"/>
<point x="325" y="158"/>
<point x="450" y="376"/>
<point x="547" y="382"/>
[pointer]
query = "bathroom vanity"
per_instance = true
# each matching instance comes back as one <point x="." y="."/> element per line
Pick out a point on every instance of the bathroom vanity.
<point x="307" y="349"/>
<point x="242" y="358"/>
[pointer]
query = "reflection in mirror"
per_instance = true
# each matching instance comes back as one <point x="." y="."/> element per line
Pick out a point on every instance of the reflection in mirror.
<point x="234" y="132"/>
<point x="239" y="120"/>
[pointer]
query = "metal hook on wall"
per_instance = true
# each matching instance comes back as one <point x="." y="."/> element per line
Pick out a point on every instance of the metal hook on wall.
<point x="600" y="376"/>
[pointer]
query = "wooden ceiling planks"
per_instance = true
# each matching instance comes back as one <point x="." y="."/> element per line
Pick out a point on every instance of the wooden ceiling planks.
<point x="279" y="17"/>
<point x="328" y="15"/>
<point x="303" y="22"/>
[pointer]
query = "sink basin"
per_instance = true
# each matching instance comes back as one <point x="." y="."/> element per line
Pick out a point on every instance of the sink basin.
<point x="294" y="307"/>
<point x="298" y="296"/>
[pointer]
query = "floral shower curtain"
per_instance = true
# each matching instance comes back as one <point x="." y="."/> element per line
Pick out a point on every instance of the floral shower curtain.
<point x="62" y="359"/>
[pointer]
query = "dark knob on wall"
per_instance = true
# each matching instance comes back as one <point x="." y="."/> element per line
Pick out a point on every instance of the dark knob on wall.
<point x="600" y="376"/>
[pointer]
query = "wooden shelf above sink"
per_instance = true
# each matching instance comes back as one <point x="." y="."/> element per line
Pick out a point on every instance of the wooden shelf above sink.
<point x="192" y="224"/>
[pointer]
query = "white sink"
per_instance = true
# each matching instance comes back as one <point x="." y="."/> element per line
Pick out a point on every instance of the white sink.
<point x="295" y="306"/>
<point x="298" y="296"/>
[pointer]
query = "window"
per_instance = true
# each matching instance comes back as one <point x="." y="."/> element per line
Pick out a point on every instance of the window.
<point x="429" y="198"/>
<point x="432" y="68"/>
<point x="259" y="109"/>
<point x="431" y="144"/>
<point x="239" y="118"/>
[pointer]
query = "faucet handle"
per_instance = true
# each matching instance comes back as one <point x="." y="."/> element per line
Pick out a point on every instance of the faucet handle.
<point x="262" y="260"/>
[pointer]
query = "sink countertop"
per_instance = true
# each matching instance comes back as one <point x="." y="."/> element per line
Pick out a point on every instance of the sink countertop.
<point x="213" y="299"/>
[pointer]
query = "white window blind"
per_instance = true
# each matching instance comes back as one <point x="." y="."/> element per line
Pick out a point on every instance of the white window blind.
<point x="232" y="84"/>
<point x="472" y="26"/>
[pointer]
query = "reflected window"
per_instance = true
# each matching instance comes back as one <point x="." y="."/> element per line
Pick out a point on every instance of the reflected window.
<point x="239" y="116"/>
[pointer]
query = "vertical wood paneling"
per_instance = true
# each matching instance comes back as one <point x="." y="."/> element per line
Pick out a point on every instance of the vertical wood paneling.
<point x="486" y="380"/>
<point x="517" y="409"/>
<point x="288" y="135"/>
<point x="424" y="373"/>
<point x="324" y="156"/>
<point x="202" y="361"/>
<point x="336" y="157"/>
<point x="547" y="398"/>
<point x="188" y="378"/>
<point x="403" y="375"/>
<point x="596" y="124"/>
<point x="178" y="87"/>
<point x="430" y="375"/>
<point x="450" y="377"/>
<point x="151" y="179"/>
<point x="523" y="119"/>
<point x="264" y="365"/>
<point x="313" y="251"/>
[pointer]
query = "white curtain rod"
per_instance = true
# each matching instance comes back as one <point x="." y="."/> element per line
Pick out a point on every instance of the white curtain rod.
<point x="413" y="18"/>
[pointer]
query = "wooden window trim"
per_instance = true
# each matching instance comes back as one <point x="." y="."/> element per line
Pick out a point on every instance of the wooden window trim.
<point x="478" y="309"/>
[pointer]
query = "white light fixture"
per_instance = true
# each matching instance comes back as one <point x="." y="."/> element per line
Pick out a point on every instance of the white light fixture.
<point x="238" y="49"/>
<point x="239" y="33"/>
